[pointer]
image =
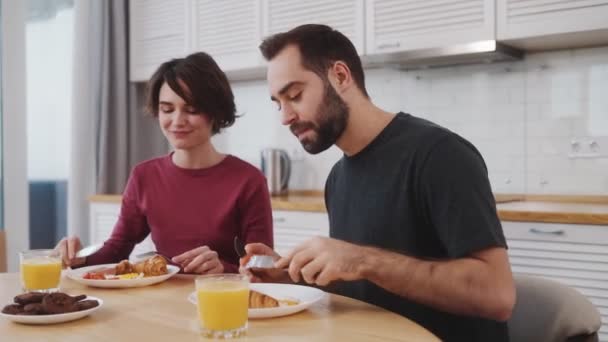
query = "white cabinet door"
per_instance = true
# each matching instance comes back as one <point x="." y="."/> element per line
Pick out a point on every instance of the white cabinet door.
<point x="532" y="18"/>
<point x="294" y="227"/>
<point x="345" y="16"/>
<point x="402" y="25"/>
<point x="102" y="218"/>
<point x="159" y="31"/>
<point x="576" y="255"/>
<point x="230" y="31"/>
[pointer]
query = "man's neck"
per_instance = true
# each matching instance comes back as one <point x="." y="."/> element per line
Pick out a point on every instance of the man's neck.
<point x="365" y="122"/>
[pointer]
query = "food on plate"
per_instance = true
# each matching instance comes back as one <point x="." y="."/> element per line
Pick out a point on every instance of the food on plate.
<point x="55" y="303"/>
<point x="130" y="276"/>
<point x="124" y="267"/>
<point x="155" y="266"/>
<point x="30" y="297"/>
<point x="94" y="275"/>
<point x="48" y="304"/>
<point x="13" y="309"/>
<point x="259" y="300"/>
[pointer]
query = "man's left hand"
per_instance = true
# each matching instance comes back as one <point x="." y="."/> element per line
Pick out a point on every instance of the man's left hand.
<point x="322" y="260"/>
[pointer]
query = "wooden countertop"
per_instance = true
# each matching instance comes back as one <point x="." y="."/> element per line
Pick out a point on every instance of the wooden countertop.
<point x="162" y="313"/>
<point x="591" y="210"/>
<point x="554" y="212"/>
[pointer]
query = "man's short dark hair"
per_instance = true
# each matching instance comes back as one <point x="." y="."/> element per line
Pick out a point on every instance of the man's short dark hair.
<point x="201" y="83"/>
<point x="320" y="47"/>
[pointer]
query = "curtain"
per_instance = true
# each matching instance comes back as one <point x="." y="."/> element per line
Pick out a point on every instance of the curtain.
<point x="110" y="133"/>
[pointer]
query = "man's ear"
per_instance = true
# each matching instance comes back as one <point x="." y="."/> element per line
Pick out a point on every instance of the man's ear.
<point x="340" y="76"/>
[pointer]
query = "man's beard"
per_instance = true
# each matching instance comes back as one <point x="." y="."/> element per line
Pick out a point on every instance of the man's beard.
<point x="331" y="116"/>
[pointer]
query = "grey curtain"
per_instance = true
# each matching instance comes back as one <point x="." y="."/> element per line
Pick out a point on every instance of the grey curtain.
<point x="110" y="133"/>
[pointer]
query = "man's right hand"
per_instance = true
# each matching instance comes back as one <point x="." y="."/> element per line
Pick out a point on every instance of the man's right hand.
<point x="265" y="277"/>
<point x="68" y="247"/>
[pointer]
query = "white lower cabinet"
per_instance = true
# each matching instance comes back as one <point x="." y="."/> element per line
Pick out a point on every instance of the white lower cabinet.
<point x="102" y="218"/>
<point x="576" y="255"/>
<point x="293" y="227"/>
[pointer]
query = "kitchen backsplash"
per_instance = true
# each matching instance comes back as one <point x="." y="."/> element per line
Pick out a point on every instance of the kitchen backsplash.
<point x="534" y="121"/>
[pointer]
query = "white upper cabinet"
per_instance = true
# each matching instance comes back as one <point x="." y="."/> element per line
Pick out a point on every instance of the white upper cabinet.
<point x="230" y="31"/>
<point x="346" y="16"/>
<point x="571" y="23"/>
<point x="401" y="25"/>
<point x="159" y="30"/>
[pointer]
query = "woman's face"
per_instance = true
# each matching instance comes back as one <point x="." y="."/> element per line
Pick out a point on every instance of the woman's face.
<point x="182" y="125"/>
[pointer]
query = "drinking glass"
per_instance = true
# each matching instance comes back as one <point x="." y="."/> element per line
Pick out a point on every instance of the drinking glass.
<point x="40" y="270"/>
<point x="223" y="301"/>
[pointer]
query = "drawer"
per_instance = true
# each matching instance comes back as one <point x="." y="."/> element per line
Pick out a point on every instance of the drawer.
<point x="298" y="219"/>
<point x="555" y="232"/>
<point x="291" y="228"/>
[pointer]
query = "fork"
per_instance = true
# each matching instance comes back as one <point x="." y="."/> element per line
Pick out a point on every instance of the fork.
<point x="153" y="253"/>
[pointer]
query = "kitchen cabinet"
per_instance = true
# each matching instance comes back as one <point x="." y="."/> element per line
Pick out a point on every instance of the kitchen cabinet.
<point x="102" y="218"/>
<point x="294" y="227"/>
<point x="396" y="26"/>
<point x="346" y="16"/>
<point x="158" y="31"/>
<point x="230" y="31"/>
<point x="545" y="24"/>
<point x="576" y="255"/>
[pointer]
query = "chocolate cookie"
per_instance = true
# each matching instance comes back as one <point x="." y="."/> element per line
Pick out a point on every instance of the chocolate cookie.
<point x="57" y="303"/>
<point x="34" y="309"/>
<point x="13" y="309"/>
<point x="30" y="297"/>
<point x="86" y="304"/>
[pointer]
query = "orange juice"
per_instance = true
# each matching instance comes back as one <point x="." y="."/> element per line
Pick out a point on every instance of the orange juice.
<point x="40" y="270"/>
<point x="223" y="302"/>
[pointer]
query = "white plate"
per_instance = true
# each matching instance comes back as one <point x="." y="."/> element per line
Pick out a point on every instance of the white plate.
<point x="78" y="274"/>
<point x="305" y="294"/>
<point x="52" y="319"/>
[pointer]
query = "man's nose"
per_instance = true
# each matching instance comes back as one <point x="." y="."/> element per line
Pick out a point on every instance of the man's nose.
<point x="288" y="115"/>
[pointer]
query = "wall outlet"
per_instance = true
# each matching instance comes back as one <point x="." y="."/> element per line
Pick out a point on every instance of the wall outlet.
<point x="588" y="148"/>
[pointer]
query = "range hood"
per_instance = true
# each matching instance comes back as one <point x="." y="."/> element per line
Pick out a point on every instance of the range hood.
<point x="486" y="51"/>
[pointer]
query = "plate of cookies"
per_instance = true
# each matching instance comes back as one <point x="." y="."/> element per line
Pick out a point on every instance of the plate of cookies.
<point x="267" y="300"/>
<point x="49" y="308"/>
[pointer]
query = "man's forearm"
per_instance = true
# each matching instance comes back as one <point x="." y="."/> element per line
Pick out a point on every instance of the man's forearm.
<point x="466" y="286"/>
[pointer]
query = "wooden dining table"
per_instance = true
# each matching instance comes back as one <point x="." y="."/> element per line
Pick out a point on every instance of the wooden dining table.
<point x="162" y="312"/>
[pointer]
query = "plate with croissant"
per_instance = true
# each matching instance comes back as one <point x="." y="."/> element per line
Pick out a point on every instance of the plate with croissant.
<point x="49" y="308"/>
<point x="125" y="274"/>
<point x="275" y="300"/>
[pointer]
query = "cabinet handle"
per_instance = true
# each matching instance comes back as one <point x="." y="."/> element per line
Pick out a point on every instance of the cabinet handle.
<point x="278" y="219"/>
<point x="389" y="45"/>
<point x="546" y="232"/>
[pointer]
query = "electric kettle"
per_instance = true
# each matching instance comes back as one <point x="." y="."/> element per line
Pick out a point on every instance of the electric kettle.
<point x="276" y="167"/>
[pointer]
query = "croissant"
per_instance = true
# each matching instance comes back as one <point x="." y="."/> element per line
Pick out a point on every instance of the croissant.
<point x="259" y="300"/>
<point x="155" y="266"/>
<point x="124" y="267"/>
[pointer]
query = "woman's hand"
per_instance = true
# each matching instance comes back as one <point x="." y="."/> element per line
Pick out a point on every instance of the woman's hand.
<point x="67" y="248"/>
<point x="200" y="260"/>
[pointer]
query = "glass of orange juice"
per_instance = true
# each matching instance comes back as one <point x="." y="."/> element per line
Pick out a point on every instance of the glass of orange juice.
<point x="223" y="301"/>
<point x="40" y="270"/>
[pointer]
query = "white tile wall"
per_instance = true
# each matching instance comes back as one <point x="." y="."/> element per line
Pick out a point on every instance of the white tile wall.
<point x="522" y="116"/>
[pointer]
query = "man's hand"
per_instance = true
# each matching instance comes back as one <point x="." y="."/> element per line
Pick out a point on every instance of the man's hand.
<point x="200" y="260"/>
<point x="256" y="276"/>
<point x="322" y="260"/>
<point x="67" y="248"/>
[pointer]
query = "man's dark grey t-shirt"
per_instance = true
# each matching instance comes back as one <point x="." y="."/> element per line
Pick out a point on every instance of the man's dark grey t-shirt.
<point x="420" y="190"/>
